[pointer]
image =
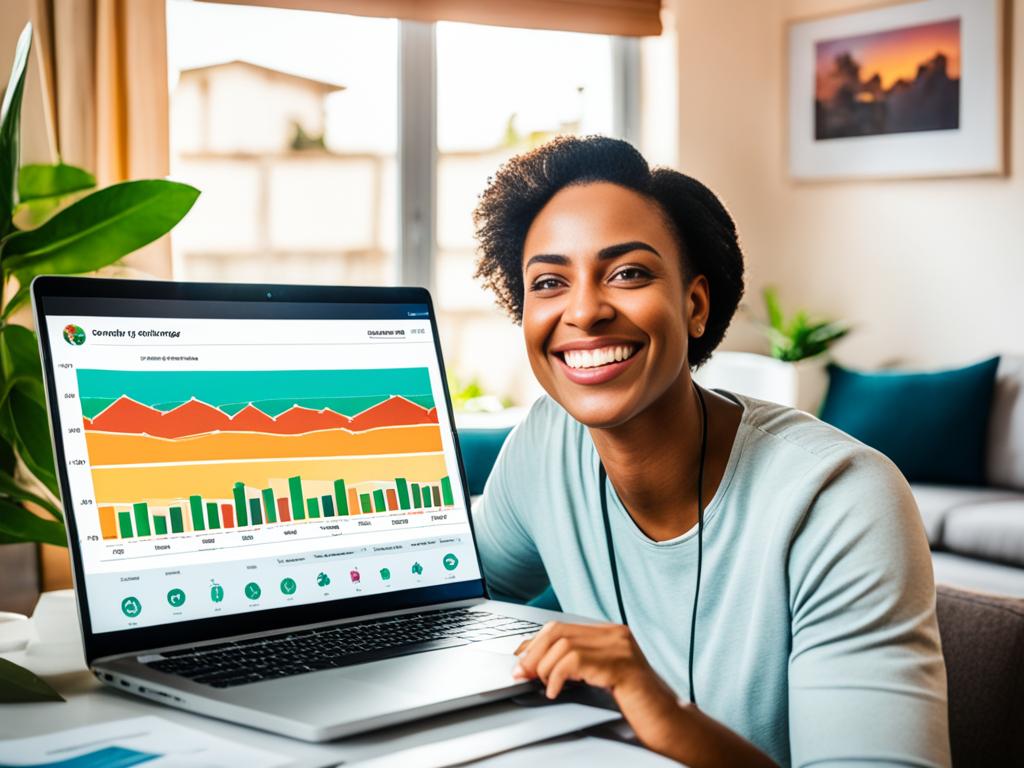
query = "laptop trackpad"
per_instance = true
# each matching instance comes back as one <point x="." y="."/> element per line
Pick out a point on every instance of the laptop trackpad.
<point x="505" y="646"/>
<point x="446" y="674"/>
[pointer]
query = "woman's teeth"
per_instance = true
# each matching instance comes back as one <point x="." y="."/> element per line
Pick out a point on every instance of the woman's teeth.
<point x="593" y="358"/>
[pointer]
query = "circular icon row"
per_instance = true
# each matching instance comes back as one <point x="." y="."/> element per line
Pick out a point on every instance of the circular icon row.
<point x="131" y="606"/>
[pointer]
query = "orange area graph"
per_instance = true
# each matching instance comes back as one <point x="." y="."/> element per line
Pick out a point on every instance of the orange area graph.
<point x="107" y="448"/>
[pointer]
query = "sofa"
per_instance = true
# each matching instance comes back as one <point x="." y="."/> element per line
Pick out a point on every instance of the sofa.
<point x="976" y="533"/>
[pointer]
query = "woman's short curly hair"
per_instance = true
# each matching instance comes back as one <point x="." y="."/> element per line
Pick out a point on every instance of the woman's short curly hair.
<point x="523" y="186"/>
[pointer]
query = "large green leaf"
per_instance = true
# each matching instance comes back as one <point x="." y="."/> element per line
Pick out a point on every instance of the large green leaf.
<point x="19" y="358"/>
<point x="32" y="437"/>
<point x="98" y="229"/>
<point x="10" y="120"/>
<point x="41" y="181"/>
<point x="10" y="488"/>
<point x="19" y="524"/>
<point x="19" y="686"/>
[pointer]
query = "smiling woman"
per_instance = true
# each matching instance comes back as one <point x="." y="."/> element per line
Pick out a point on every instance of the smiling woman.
<point x="811" y="636"/>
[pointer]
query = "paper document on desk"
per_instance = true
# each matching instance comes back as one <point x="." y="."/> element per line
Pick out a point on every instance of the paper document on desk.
<point x="150" y="741"/>
<point x="588" y="751"/>
<point x="532" y="724"/>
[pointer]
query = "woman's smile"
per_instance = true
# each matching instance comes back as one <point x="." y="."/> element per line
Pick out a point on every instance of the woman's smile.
<point x="595" y="361"/>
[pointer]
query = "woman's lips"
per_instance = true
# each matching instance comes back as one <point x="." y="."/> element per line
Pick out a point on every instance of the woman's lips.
<point x="598" y="375"/>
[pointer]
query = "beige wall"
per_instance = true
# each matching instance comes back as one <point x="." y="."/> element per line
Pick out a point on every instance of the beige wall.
<point x="930" y="272"/>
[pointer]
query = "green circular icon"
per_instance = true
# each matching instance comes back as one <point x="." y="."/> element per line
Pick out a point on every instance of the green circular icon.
<point x="385" y="574"/>
<point x="287" y="586"/>
<point x="176" y="598"/>
<point x="216" y="592"/>
<point x="74" y="335"/>
<point x="131" y="607"/>
<point x="450" y="561"/>
<point x="253" y="591"/>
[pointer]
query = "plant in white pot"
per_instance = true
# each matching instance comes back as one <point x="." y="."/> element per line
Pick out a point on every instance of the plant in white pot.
<point x="794" y="374"/>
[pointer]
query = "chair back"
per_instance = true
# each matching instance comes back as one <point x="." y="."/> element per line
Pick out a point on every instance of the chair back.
<point x="983" y="645"/>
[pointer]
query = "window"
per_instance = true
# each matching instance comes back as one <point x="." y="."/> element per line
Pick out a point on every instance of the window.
<point x="291" y="130"/>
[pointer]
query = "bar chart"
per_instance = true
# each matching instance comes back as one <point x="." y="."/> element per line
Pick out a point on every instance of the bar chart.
<point x="251" y="507"/>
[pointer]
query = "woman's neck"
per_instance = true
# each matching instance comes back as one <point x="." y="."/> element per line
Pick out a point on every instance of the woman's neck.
<point x="653" y="460"/>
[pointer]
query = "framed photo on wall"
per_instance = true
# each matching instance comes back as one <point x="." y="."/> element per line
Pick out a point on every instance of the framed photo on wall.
<point x="908" y="90"/>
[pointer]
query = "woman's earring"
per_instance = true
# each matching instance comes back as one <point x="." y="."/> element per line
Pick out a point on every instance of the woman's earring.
<point x="699" y="330"/>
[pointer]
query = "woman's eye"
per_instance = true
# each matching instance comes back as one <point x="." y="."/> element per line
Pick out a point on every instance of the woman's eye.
<point x="631" y="273"/>
<point x="545" y="284"/>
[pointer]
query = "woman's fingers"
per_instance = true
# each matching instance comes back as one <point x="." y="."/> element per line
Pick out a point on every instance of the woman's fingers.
<point x="533" y="650"/>
<point x="568" y="667"/>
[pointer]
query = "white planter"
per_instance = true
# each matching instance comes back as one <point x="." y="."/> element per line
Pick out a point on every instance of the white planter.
<point x="799" y="385"/>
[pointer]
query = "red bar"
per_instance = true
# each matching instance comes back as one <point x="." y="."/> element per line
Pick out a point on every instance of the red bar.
<point x="283" y="515"/>
<point x="227" y="515"/>
<point x="392" y="499"/>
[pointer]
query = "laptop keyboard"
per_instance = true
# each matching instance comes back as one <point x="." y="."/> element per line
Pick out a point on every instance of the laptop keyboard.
<point x="250" y="661"/>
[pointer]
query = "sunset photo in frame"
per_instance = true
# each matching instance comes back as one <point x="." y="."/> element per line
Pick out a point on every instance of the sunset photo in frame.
<point x="908" y="90"/>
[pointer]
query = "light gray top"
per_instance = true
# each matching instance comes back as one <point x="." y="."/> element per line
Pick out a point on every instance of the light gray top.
<point x="816" y="631"/>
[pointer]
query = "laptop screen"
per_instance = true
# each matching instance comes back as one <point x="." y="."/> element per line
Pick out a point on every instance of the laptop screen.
<point x="221" y="463"/>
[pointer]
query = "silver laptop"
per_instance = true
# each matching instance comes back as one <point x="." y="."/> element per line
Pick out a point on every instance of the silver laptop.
<point x="267" y="513"/>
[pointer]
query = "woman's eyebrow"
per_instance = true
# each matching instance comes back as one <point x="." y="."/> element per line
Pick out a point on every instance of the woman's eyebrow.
<point x="608" y="252"/>
<point x="613" y="251"/>
<point x="547" y="258"/>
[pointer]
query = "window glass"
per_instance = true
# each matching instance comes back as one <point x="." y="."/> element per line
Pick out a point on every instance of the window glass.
<point x="289" y="130"/>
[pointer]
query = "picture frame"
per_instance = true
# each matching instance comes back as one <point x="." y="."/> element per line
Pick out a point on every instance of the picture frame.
<point x="909" y="90"/>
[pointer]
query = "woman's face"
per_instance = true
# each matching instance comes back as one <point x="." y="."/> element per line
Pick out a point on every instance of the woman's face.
<point x="606" y="311"/>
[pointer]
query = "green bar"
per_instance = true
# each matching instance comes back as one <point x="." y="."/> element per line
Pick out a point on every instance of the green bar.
<point x="403" y="492"/>
<point x="378" y="501"/>
<point x="437" y="497"/>
<point x="416" y="495"/>
<point x="196" y="504"/>
<point x="212" y="518"/>
<point x="313" y="507"/>
<point x="239" y="493"/>
<point x="446" y="491"/>
<point x="328" y="503"/>
<point x="270" y="505"/>
<point x="295" y="494"/>
<point x="339" y="495"/>
<point x="160" y="525"/>
<point x="254" y="511"/>
<point x="364" y="502"/>
<point x="141" y="518"/>
<point x="124" y="523"/>
<point x="177" y="526"/>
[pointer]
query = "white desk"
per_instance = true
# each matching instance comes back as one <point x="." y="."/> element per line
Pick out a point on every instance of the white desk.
<point x="89" y="702"/>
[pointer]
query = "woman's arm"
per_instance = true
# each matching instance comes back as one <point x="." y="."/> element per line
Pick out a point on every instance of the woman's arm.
<point x="607" y="656"/>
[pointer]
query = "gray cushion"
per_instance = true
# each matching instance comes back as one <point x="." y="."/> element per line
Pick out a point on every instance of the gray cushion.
<point x="936" y="502"/>
<point x="994" y="531"/>
<point x="972" y="573"/>
<point x="1004" y="463"/>
<point x="983" y="645"/>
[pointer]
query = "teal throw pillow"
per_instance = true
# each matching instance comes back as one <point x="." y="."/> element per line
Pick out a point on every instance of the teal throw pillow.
<point x="932" y="425"/>
<point x="480" y="447"/>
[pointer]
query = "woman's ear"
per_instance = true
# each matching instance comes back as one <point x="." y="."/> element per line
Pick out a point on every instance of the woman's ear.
<point x="698" y="304"/>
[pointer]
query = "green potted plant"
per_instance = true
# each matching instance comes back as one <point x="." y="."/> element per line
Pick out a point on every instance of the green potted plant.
<point x="52" y="221"/>
<point x="801" y="344"/>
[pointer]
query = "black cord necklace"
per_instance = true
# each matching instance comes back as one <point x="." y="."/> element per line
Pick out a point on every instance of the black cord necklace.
<point x="603" y="481"/>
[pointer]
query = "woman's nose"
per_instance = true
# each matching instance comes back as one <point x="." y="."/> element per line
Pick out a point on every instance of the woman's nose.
<point x="587" y="305"/>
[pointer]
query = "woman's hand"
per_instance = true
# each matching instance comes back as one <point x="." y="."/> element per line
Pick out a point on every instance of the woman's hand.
<point x="607" y="656"/>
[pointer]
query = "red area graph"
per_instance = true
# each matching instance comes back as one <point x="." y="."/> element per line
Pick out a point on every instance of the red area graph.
<point x="194" y="417"/>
